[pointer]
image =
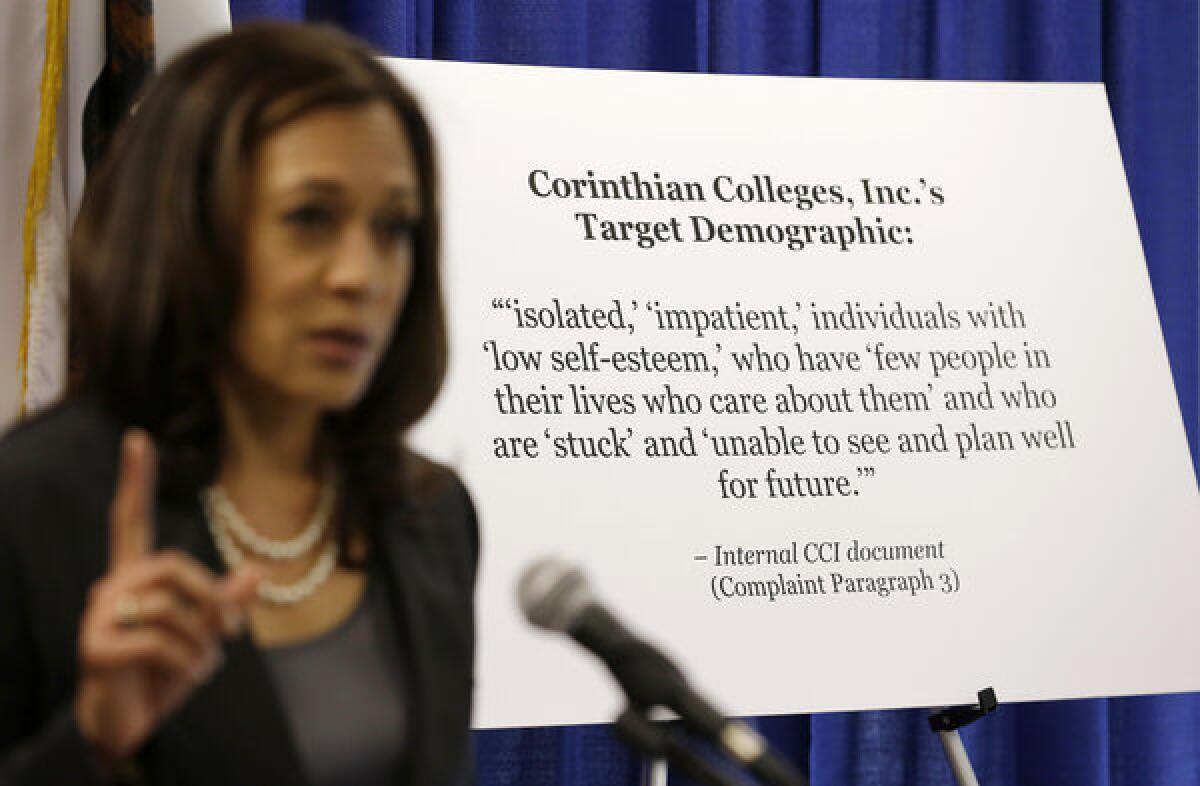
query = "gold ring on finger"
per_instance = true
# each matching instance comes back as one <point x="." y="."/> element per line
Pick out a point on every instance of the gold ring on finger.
<point x="129" y="611"/>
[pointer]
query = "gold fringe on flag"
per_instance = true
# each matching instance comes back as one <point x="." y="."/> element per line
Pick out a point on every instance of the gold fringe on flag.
<point x="43" y="160"/>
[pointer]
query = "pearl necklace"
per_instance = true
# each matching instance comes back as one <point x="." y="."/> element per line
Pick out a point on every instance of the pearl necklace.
<point x="218" y="506"/>
<point x="220" y="503"/>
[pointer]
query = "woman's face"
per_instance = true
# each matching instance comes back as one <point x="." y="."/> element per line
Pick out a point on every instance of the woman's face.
<point x="329" y="256"/>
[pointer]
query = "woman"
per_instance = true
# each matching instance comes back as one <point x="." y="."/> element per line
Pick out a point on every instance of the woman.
<point x="217" y="562"/>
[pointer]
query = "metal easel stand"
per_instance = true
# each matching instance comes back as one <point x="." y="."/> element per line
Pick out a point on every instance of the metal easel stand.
<point x="947" y="721"/>
<point x="655" y="773"/>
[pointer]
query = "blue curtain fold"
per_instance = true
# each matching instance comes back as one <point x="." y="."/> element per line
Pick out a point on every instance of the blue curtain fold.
<point x="1144" y="51"/>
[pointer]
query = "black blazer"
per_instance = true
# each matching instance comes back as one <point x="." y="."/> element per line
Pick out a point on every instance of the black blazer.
<point x="57" y="475"/>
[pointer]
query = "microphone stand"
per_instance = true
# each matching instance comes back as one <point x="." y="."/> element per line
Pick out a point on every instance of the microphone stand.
<point x="660" y="742"/>
<point x="556" y="596"/>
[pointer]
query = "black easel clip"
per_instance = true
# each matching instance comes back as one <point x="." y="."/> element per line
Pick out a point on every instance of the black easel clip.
<point x="952" y="718"/>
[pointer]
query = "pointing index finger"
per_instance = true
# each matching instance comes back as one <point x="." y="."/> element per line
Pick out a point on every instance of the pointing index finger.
<point x="131" y="517"/>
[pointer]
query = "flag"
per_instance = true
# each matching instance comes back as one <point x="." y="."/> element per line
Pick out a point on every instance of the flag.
<point x="33" y="224"/>
<point x="128" y="64"/>
<point x="72" y="75"/>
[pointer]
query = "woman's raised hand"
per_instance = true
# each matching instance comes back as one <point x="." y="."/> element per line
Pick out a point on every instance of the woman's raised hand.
<point x="151" y="631"/>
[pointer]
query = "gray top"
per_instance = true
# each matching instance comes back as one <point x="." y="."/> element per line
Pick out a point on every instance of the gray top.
<point x="343" y="695"/>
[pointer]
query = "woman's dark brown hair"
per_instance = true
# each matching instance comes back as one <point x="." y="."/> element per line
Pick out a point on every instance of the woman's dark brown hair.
<point x="157" y="254"/>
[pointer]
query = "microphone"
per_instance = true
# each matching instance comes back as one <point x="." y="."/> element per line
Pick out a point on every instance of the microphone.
<point x="556" y="596"/>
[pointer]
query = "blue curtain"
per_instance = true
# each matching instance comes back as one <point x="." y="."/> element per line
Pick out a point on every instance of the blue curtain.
<point x="1145" y="53"/>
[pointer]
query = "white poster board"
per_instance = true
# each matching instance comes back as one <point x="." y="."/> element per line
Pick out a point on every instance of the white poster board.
<point x="909" y="338"/>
